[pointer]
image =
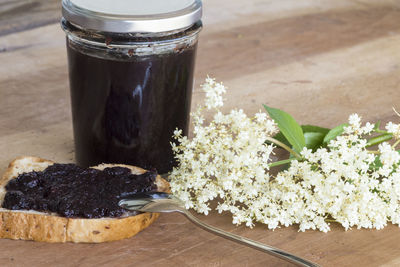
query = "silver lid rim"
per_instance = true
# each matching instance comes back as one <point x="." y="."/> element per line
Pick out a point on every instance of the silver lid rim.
<point x="90" y="20"/>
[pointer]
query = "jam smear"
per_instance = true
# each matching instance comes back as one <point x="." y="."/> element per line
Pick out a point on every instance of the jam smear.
<point x="73" y="191"/>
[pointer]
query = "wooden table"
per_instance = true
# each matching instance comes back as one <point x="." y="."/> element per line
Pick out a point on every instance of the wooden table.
<point x="319" y="60"/>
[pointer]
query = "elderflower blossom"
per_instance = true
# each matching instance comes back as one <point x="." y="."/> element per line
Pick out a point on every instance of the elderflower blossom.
<point x="214" y="93"/>
<point x="227" y="161"/>
<point x="393" y="129"/>
<point x="337" y="183"/>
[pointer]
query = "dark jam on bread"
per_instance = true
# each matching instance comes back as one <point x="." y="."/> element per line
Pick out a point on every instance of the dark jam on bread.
<point x="73" y="191"/>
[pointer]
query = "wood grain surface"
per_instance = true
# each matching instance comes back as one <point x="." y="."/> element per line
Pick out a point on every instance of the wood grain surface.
<point x="19" y="15"/>
<point x="320" y="60"/>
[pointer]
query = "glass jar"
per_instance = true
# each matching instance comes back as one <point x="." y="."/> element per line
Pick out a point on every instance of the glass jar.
<point x="131" y="69"/>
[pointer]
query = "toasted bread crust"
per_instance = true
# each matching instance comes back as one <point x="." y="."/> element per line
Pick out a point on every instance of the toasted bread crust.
<point x="45" y="227"/>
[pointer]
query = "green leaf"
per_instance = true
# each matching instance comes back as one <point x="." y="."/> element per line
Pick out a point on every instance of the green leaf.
<point x="314" y="140"/>
<point x="306" y="129"/>
<point x="289" y="128"/>
<point x="332" y="134"/>
<point x="379" y="139"/>
<point x="314" y="129"/>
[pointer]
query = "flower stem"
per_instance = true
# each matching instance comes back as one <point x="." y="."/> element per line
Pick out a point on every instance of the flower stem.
<point x="379" y="139"/>
<point x="381" y="131"/>
<point x="281" y="162"/>
<point x="395" y="111"/>
<point x="396" y="143"/>
<point x="329" y="220"/>
<point x="279" y="143"/>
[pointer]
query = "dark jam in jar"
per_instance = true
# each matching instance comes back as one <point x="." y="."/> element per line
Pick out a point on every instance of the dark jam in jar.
<point x="126" y="105"/>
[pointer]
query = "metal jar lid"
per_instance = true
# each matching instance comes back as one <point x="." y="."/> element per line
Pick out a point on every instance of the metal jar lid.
<point x="123" y="16"/>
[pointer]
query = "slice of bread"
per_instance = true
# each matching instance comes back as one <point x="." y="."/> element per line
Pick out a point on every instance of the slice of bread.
<point x="48" y="227"/>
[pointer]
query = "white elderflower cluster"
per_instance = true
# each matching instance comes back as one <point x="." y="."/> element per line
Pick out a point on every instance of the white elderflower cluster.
<point x="214" y="93"/>
<point x="336" y="183"/>
<point x="227" y="160"/>
<point x="393" y="129"/>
